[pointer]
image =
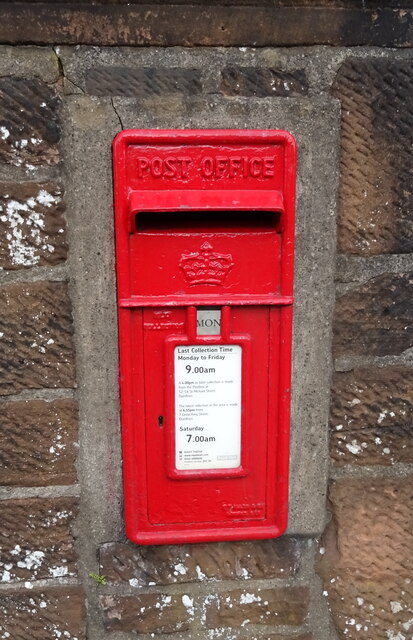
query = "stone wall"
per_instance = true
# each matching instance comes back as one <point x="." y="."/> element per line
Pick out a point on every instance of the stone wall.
<point x="367" y="566"/>
<point x="344" y="569"/>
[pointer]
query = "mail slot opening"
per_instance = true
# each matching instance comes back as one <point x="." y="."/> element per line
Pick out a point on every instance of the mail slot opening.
<point x="199" y="221"/>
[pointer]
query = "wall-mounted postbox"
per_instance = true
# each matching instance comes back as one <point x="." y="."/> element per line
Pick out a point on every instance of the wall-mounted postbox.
<point x="204" y="252"/>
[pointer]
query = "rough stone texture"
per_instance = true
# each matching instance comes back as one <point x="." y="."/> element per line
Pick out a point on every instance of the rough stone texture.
<point x="368" y="563"/>
<point x="147" y="613"/>
<point x="306" y="636"/>
<point x="369" y="4"/>
<point x="111" y="24"/>
<point x="35" y="337"/>
<point x="46" y="614"/>
<point x="371" y="418"/>
<point x="35" y="539"/>
<point x="32" y="225"/>
<point x="374" y="519"/>
<point x="29" y="62"/>
<point x="277" y="606"/>
<point x="29" y="122"/>
<point x="319" y="69"/>
<point x="364" y="609"/>
<point x="142" y="83"/>
<point x="375" y="318"/>
<point x="261" y="83"/>
<point x="195" y="563"/>
<point x="357" y="269"/>
<point x="38" y="442"/>
<point x="376" y="193"/>
<point x="92" y="261"/>
<point x="232" y="634"/>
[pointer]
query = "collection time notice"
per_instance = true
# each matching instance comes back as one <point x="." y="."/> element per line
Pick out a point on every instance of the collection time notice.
<point x="207" y="406"/>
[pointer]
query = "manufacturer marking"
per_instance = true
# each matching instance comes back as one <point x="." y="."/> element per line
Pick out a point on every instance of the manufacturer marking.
<point x="244" y="509"/>
<point x="161" y="326"/>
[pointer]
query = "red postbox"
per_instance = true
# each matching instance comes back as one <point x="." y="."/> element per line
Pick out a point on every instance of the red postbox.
<point x="204" y="254"/>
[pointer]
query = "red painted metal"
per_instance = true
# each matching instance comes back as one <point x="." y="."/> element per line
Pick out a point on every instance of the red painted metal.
<point x="204" y="219"/>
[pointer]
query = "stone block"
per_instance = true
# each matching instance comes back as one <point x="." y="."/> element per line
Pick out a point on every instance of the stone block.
<point x="276" y="636"/>
<point x="231" y="634"/>
<point x="371" y="416"/>
<point x="38" y="442"/>
<point x="36" y="540"/>
<point x="43" y="614"/>
<point x="367" y="608"/>
<point x="376" y="317"/>
<point x="147" y="613"/>
<point x="281" y="23"/>
<point x="376" y="194"/>
<point x="368" y="560"/>
<point x="143" y="566"/>
<point x="32" y="225"/>
<point x="142" y="83"/>
<point x="29" y="122"/>
<point x="262" y="83"/>
<point x="266" y="606"/>
<point x="374" y="523"/>
<point x="29" y="62"/>
<point x="35" y="337"/>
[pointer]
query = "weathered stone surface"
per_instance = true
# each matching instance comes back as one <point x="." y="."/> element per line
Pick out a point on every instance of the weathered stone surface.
<point x="372" y="416"/>
<point x="374" y="520"/>
<point x="147" y="613"/>
<point x="261" y="83"/>
<point x="376" y="193"/>
<point x="200" y="562"/>
<point x="306" y="636"/>
<point x="29" y="122"/>
<point x="35" y="539"/>
<point x="32" y="225"/>
<point x="366" y="608"/>
<point x="375" y="318"/>
<point x="36" y="349"/>
<point x="142" y="83"/>
<point x="29" y="62"/>
<point x="38" y="442"/>
<point x="277" y="606"/>
<point x="162" y="24"/>
<point x="229" y="634"/>
<point x="368" y="560"/>
<point x="46" y="614"/>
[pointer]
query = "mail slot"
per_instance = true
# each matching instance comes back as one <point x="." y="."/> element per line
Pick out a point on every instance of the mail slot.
<point x="204" y="256"/>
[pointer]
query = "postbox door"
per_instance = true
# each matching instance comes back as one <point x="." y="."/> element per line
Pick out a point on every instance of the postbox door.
<point x="227" y="494"/>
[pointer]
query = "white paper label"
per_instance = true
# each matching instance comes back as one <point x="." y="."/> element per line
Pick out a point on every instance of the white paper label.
<point x="208" y="407"/>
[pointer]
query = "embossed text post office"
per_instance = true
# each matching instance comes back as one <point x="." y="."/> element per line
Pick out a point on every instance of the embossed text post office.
<point x="204" y="253"/>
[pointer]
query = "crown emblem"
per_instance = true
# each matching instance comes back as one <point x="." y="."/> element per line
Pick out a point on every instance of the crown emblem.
<point x="206" y="266"/>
